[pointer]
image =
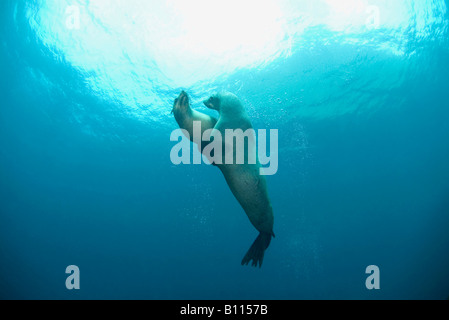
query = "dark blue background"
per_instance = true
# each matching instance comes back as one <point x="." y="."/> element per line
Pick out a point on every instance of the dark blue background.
<point x="101" y="193"/>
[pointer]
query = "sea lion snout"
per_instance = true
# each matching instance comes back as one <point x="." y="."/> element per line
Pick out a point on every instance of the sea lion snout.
<point x="212" y="103"/>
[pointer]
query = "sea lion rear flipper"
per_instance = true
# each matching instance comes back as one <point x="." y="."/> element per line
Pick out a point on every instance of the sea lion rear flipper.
<point x="257" y="250"/>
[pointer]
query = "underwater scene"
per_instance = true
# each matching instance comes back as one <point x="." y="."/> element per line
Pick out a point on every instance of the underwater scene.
<point x="351" y="98"/>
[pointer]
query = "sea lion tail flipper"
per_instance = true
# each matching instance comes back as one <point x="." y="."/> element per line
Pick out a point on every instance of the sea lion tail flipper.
<point x="257" y="250"/>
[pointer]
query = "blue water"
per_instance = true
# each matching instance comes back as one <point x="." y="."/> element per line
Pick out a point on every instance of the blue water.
<point x="85" y="171"/>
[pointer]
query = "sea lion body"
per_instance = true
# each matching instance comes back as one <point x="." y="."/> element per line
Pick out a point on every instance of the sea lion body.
<point x="244" y="180"/>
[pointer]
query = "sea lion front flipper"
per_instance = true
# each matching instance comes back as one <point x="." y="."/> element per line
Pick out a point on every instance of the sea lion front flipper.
<point x="174" y="106"/>
<point x="186" y="117"/>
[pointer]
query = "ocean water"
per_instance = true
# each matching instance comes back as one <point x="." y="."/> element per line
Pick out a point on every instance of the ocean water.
<point x="357" y="89"/>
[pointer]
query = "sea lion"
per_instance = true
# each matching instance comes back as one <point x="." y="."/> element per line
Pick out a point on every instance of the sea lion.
<point x="245" y="181"/>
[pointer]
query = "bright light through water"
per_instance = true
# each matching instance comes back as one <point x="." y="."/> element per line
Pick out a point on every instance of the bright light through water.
<point x="131" y="49"/>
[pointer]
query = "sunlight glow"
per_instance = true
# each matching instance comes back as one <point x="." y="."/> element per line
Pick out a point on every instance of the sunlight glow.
<point x="194" y="40"/>
<point x="132" y="48"/>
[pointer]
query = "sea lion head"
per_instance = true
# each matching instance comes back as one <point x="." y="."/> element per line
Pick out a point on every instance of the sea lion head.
<point x="213" y="102"/>
<point x="224" y="101"/>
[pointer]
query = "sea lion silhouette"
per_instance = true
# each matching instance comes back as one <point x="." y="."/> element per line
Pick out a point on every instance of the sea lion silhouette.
<point x="245" y="181"/>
